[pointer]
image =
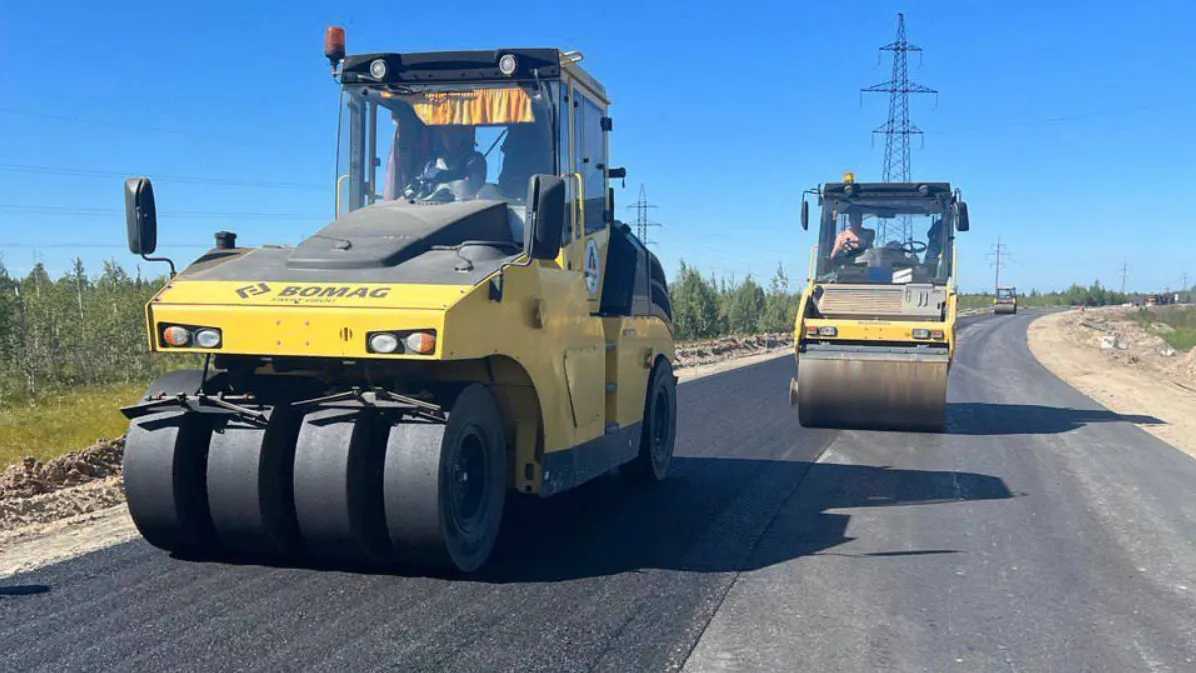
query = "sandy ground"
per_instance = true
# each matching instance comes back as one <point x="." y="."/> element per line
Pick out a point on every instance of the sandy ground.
<point x="1135" y="380"/>
<point x="56" y="539"/>
<point x="52" y="512"/>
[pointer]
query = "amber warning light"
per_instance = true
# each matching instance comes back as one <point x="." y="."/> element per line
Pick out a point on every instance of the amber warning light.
<point x="334" y="46"/>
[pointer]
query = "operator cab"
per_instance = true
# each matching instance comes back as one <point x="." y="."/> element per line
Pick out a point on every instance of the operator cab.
<point x="440" y="128"/>
<point x="886" y="233"/>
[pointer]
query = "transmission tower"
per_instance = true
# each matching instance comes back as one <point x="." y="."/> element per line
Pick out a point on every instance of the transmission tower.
<point x="898" y="129"/>
<point x="641" y="217"/>
<point x="999" y="250"/>
<point x="1125" y="270"/>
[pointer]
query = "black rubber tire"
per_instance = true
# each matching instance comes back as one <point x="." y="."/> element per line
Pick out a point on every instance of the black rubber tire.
<point x="249" y="477"/>
<point x="187" y="381"/>
<point x="164" y="468"/>
<point x="658" y="434"/>
<point x="338" y="487"/>
<point x="434" y="472"/>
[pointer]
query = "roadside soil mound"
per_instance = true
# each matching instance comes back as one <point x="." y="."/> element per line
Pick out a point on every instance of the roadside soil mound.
<point x="1125" y="366"/>
<point x="716" y="350"/>
<point x="32" y="477"/>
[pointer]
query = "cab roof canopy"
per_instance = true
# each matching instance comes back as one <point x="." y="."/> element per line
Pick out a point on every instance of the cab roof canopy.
<point x="902" y="189"/>
<point x="442" y="67"/>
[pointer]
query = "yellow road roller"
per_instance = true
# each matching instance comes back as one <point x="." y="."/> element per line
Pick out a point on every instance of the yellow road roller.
<point x="1005" y="301"/>
<point x="875" y="329"/>
<point x="473" y="322"/>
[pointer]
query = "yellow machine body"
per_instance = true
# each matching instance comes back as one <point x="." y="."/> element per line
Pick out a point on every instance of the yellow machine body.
<point x="550" y="361"/>
<point x="873" y="353"/>
<point x="371" y="394"/>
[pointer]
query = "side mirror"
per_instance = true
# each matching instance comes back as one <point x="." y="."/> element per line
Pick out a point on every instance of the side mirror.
<point x="617" y="173"/>
<point x="805" y="214"/>
<point x="141" y="216"/>
<point x="546" y="216"/>
<point x="962" y="223"/>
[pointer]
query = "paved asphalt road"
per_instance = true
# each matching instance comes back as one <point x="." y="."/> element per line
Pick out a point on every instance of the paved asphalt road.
<point x="1041" y="533"/>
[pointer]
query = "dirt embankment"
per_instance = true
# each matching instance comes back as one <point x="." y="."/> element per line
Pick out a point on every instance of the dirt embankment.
<point x="73" y="504"/>
<point x="1126" y="366"/>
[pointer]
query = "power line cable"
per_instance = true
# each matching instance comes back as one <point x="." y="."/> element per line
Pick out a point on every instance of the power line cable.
<point x="21" y="209"/>
<point x="224" y="182"/>
<point x="132" y="127"/>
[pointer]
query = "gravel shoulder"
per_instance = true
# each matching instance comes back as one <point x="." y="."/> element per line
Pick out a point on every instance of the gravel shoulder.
<point x="74" y="504"/>
<point x="1128" y="373"/>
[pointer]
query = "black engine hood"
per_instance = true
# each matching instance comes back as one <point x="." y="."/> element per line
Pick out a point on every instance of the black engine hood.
<point x="387" y="234"/>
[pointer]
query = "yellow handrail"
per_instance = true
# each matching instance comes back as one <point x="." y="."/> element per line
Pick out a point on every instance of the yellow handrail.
<point x="580" y="220"/>
<point x="339" y="181"/>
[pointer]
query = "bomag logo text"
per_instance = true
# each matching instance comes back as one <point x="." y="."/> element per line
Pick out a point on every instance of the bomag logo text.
<point x="332" y="292"/>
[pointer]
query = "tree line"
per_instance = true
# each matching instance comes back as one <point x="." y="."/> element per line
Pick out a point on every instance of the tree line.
<point x="73" y="331"/>
<point x="1076" y="295"/>
<point x="78" y="330"/>
<point x="706" y="307"/>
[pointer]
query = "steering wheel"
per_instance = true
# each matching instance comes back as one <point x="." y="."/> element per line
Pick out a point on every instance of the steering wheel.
<point x="912" y="247"/>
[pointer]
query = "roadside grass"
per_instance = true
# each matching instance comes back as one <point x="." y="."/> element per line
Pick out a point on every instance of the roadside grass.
<point x="1181" y="319"/>
<point x="1182" y="339"/>
<point x="53" y="425"/>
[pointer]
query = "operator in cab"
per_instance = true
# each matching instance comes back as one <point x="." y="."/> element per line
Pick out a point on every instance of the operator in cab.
<point x="456" y="164"/>
<point x="854" y="239"/>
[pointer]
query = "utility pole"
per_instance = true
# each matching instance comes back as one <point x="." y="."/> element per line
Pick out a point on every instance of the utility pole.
<point x="1124" y="272"/>
<point x="641" y="217"/>
<point x="898" y="128"/>
<point x="998" y="251"/>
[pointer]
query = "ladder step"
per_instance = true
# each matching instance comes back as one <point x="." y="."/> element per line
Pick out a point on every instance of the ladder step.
<point x="612" y="387"/>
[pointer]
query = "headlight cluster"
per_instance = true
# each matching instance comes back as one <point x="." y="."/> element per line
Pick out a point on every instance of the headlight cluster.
<point x="187" y="336"/>
<point x="928" y="334"/>
<point x="824" y="331"/>
<point x="393" y="343"/>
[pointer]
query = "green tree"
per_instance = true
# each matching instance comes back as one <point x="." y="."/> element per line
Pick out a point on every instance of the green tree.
<point x="695" y="305"/>
<point x="745" y="307"/>
<point x="780" y="307"/>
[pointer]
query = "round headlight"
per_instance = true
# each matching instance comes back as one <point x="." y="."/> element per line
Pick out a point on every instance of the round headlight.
<point x="378" y="68"/>
<point x="384" y="342"/>
<point x="176" y="336"/>
<point x="506" y="65"/>
<point x="207" y="338"/>
<point x="423" y="343"/>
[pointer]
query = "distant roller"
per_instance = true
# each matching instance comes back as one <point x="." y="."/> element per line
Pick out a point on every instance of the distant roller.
<point x="875" y="331"/>
<point x="1005" y="301"/>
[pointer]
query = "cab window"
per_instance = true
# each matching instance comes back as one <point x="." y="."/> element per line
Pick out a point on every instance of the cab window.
<point x="593" y="165"/>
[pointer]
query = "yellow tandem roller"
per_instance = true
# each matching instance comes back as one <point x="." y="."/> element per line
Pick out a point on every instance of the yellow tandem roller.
<point x="1005" y="301"/>
<point x="875" y="331"/>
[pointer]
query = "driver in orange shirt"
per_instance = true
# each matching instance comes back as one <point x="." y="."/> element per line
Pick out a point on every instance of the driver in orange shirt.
<point x="854" y="239"/>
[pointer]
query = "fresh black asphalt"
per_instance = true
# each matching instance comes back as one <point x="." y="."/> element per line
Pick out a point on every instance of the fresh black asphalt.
<point x="1041" y="532"/>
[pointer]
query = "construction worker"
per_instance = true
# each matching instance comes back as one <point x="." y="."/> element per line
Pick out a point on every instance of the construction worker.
<point x="456" y="161"/>
<point x="854" y="239"/>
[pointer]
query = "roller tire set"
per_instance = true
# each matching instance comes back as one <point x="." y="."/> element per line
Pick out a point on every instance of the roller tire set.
<point x="348" y="487"/>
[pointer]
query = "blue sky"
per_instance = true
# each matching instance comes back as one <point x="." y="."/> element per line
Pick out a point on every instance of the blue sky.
<point x="1066" y="124"/>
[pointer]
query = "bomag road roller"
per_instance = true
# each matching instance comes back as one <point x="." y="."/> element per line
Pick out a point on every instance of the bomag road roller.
<point x="470" y="324"/>
<point x="1005" y="301"/>
<point x="875" y="329"/>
